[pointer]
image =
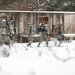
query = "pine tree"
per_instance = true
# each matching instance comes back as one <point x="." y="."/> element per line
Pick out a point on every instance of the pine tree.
<point x="60" y="5"/>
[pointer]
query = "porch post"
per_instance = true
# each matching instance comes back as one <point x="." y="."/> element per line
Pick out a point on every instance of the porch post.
<point x="21" y="24"/>
<point x="49" y="23"/>
<point x="32" y="23"/>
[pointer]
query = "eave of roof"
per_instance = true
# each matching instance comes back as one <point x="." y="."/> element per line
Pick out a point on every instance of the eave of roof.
<point x="18" y="11"/>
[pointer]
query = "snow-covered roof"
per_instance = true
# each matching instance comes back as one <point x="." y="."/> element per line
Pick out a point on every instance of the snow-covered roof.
<point x="35" y="11"/>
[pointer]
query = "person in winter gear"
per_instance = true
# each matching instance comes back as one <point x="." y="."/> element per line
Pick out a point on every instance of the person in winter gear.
<point x="43" y="30"/>
<point x="29" y="33"/>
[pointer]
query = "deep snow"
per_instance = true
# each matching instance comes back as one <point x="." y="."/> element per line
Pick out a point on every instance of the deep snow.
<point x="52" y="60"/>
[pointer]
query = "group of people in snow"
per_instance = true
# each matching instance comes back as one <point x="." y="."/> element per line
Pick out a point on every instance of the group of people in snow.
<point x="42" y="30"/>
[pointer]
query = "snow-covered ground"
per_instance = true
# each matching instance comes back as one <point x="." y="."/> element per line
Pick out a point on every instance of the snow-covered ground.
<point x="52" y="60"/>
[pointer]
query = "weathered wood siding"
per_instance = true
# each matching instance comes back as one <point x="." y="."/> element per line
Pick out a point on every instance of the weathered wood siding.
<point x="31" y="18"/>
<point x="69" y="23"/>
<point x="21" y="23"/>
<point x="66" y="20"/>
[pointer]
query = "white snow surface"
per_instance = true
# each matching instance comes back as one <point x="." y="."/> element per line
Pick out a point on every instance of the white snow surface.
<point x="52" y="60"/>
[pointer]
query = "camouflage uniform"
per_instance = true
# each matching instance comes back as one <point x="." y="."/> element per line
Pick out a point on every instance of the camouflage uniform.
<point x="13" y="31"/>
<point x="6" y="30"/>
<point x="43" y="31"/>
<point x="5" y="35"/>
<point x="4" y="39"/>
<point x="29" y="33"/>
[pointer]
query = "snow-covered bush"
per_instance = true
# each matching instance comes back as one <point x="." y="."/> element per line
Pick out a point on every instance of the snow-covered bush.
<point x="4" y="50"/>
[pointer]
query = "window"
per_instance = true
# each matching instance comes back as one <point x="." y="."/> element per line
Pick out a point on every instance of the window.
<point x="42" y="19"/>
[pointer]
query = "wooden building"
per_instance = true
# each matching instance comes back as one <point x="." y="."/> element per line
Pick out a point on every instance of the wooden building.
<point x="64" y="19"/>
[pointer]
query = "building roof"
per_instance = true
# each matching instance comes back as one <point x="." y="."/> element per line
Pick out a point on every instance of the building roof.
<point x="18" y="11"/>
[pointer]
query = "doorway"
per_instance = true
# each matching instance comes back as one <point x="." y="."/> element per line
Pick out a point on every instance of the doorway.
<point x="42" y="19"/>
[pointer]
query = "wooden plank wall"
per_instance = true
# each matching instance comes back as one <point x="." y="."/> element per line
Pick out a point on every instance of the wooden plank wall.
<point x="69" y="23"/>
